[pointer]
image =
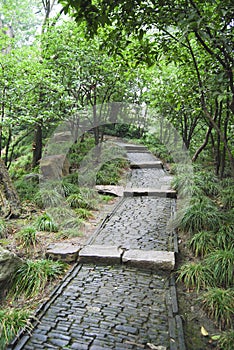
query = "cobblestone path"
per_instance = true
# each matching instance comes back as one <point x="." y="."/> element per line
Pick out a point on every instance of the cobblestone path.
<point x="117" y="306"/>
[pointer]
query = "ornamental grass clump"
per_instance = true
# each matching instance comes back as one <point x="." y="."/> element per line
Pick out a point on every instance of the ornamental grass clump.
<point x="202" y="243"/>
<point x="201" y="215"/>
<point x="11" y="321"/>
<point x="46" y="223"/>
<point x="195" y="275"/>
<point x="221" y="263"/>
<point x="3" y="229"/>
<point x="219" y="305"/>
<point x="27" y="237"/>
<point x="226" y="340"/>
<point x="31" y="278"/>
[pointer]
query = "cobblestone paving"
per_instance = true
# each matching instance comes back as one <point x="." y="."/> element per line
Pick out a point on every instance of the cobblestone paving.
<point x="153" y="178"/>
<point x="138" y="157"/>
<point x="106" y="307"/>
<point x="151" y="232"/>
<point x="117" y="307"/>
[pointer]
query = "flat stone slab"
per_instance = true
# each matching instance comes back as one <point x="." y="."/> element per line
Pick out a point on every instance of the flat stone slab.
<point x="132" y="147"/>
<point x="63" y="251"/>
<point x="116" y="191"/>
<point x="156" y="260"/>
<point x="157" y="164"/>
<point x="100" y="254"/>
<point x="138" y="192"/>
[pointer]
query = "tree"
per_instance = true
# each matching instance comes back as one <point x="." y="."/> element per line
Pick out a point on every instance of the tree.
<point x="201" y="28"/>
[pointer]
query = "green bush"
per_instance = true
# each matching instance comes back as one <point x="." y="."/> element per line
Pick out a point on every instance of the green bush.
<point x="27" y="236"/>
<point x="31" y="278"/>
<point x="219" y="305"/>
<point x="46" y="223"/>
<point x="11" y="321"/>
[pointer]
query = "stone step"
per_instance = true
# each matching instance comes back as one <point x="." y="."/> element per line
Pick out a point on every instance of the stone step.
<point x="155" y="164"/>
<point x="145" y="259"/>
<point x="67" y="252"/>
<point x="136" y="148"/>
<point x="150" y="192"/>
<point x="149" y="259"/>
<point x="100" y="254"/>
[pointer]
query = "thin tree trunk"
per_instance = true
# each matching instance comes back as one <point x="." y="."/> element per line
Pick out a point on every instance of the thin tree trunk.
<point x="37" y="145"/>
<point x="10" y="206"/>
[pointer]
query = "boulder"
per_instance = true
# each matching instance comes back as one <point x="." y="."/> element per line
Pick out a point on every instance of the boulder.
<point x="55" y="166"/>
<point x="9" y="263"/>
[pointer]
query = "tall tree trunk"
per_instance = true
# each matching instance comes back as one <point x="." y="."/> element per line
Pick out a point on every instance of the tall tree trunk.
<point x="37" y="145"/>
<point x="10" y="206"/>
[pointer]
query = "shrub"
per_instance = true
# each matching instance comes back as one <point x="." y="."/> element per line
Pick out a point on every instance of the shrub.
<point x="31" y="278"/>
<point x="46" y="223"/>
<point x="219" y="304"/>
<point x="27" y="236"/>
<point x="11" y="321"/>
<point x="195" y="275"/>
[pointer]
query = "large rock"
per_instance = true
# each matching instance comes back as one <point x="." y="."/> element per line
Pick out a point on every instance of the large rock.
<point x="9" y="263"/>
<point x="55" y="166"/>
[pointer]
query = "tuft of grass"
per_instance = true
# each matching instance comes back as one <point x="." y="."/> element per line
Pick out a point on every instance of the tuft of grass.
<point x="72" y="223"/>
<point x="195" y="275"/>
<point x="85" y="199"/>
<point x="31" y="278"/>
<point x="202" y="243"/>
<point x="227" y="197"/>
<point x="48" y="198"/>
<point x="46" y="223"/>
<point x="219" y="305"/>
<point x="27" y="237"/>
<point x="84" y="213"/>
<point x="3" y="229"/>
<point x="201" y="215"/>
<point x="224" y="237"/>
<point x="69" y="233"/>
<point x="221" y="263"/>
<point x="11" y="321"/>
<point x="226" y="340"/>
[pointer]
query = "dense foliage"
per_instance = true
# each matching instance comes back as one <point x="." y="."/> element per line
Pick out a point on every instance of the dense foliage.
<point x="100" y="65"/>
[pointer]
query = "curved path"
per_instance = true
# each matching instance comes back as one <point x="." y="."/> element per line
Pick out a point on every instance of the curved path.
<point x="120" y="294"/>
